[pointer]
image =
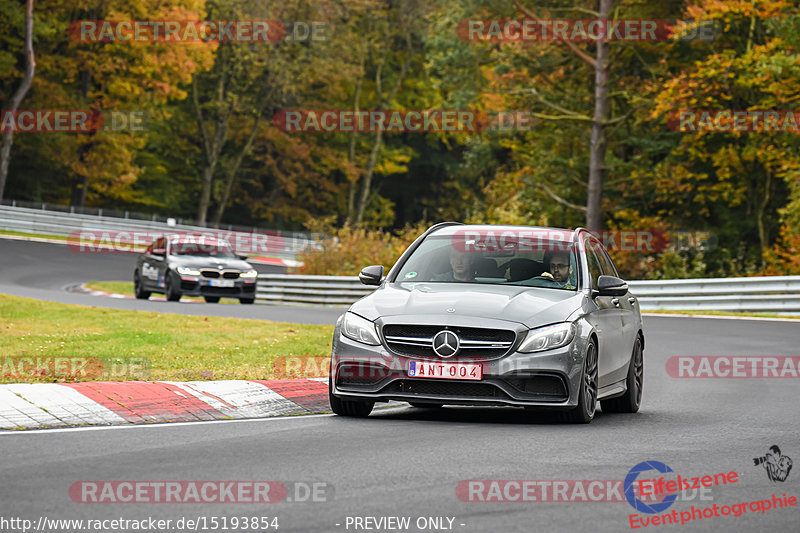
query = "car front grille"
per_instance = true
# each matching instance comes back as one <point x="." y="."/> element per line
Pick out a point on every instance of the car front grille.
<point x="443" y="388"/>
<point x="417" y="340"/>
<point x="216" y="274"/>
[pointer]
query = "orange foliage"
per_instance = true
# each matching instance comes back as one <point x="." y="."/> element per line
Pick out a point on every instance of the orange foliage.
<point x="350" y="249"/>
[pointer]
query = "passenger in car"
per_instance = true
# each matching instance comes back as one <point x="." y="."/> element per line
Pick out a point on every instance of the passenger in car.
<point x="462" y="265"/>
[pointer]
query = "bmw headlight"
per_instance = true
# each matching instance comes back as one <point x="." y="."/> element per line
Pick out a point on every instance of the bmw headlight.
<point x="188" y="271"/>
<point x="548" y="337"/>
<point x="359" y="329"/>
<point x="249" y="274"/>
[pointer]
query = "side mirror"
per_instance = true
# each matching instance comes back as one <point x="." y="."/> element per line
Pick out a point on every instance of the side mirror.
<point x="371" y="275"/>
<point x="243" y="257"/>
<point x="611" y="286"/>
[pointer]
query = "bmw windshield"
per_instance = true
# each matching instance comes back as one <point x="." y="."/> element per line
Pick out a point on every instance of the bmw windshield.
<point x="202" y="248"/>
<point x="512" y="261"/>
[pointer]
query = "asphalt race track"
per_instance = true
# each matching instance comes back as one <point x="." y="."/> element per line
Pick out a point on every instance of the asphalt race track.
<point x="408" y="462"/>
<point x="45" y="271"/>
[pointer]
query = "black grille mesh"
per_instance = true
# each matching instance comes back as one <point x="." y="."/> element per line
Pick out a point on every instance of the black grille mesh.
<point x="464" y="333"/>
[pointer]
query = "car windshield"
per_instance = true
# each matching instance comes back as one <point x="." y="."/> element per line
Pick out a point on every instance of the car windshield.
<point x="202" y="248"/>
<point x="511" y="261"/>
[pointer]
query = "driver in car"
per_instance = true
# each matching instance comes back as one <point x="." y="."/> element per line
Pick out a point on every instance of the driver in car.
<point x="560" y="269"/>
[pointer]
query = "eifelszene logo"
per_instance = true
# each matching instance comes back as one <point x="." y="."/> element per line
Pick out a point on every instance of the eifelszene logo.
<point x="629" y="486"/>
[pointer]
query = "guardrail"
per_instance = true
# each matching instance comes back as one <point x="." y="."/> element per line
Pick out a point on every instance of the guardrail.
<point x="778" y="294"/>
<point x="29" y="220"/>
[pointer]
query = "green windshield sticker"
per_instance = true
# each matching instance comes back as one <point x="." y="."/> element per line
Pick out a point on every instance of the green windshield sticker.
<point x="411" y="275"/>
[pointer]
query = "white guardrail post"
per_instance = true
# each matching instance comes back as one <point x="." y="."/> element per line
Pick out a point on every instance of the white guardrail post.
<point x="778" y="294"/>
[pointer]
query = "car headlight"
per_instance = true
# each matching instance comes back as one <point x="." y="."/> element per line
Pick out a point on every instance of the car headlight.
<point x="188" y="271"/>
<point x="249" y="274"/>
<point x="548" y="337"/>
<point x="359" y="329"/>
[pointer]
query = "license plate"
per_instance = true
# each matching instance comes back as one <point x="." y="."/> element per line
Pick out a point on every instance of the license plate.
<point x="468" y="371"/>
<point x="221" y="283"/>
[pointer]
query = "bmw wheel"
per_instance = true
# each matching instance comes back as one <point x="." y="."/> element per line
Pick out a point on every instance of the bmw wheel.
<point x="173" y="294"/>
<point x="632" y="399"/>
<point x="138" y="289"/>
<point x="584" y="412"/>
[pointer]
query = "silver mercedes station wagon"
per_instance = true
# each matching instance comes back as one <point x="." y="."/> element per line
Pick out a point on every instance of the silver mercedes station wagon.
<point x="493" y="315"/>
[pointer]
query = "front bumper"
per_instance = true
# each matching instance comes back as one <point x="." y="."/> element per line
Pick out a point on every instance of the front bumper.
<point x="548" y="380"/>
<point x="199" y="286"/>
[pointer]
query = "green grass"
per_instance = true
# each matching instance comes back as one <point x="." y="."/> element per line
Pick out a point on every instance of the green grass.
<point x="126" y="288"/>
<point x="117" y="287"/>
<point x="166" y="346"/>
<point x="724" y="313"/>
<point x="39" y="235"/>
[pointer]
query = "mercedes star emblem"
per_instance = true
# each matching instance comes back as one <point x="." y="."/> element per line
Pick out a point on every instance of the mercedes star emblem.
<point x="445" y="343"/>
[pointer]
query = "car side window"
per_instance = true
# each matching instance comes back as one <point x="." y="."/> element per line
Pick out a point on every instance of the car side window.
<point x="593" y="264"/>
<point x="606" y="263"/>
<point x="159" y="247"/>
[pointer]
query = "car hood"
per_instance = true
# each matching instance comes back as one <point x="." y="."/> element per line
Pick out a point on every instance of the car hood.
<point x="209" y="262"/>
<point x="530" y="306"/>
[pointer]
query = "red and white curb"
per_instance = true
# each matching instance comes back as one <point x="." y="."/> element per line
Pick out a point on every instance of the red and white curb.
<point x="51" y="405"/>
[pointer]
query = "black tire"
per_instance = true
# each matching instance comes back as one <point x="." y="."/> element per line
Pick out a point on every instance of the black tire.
<point x="426" y="405"/>
<point x="172" y="294"/>
<point x="632" y="399"/>
<point x="211" y="299"/>
<point x="138" y="289"/>
<point x="351" y="408"/>
<point x="584" y="412"/>
<point x="246" y="300"/>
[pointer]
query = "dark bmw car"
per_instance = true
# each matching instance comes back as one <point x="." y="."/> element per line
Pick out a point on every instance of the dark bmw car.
<point x="493" y="315"/>
<point x="187" y="265"/>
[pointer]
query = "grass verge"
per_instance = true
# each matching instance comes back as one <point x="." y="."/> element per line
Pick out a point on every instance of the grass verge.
<point x="126" y="288"/>
<point x="36" y="235"/>
<point x="150" y="345"/>
<point x="117" y="287"/>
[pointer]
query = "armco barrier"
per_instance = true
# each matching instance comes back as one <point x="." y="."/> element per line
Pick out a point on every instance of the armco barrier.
<point x="52" y="222"/>
<point x="778" y="294"/>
